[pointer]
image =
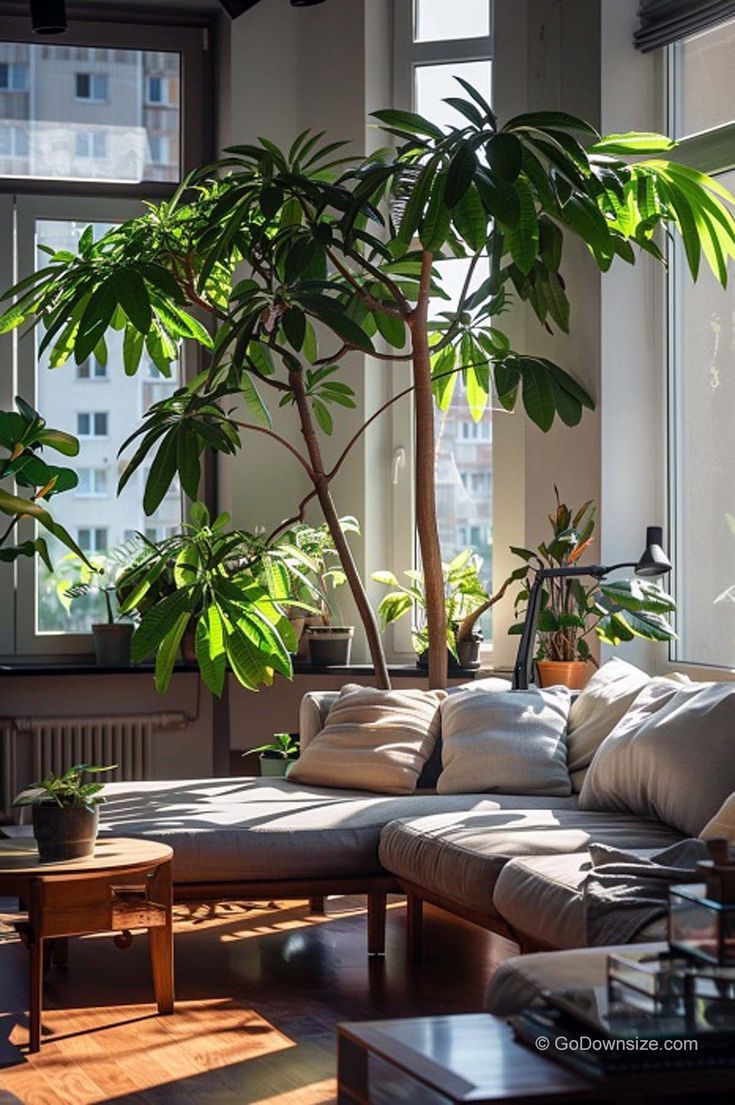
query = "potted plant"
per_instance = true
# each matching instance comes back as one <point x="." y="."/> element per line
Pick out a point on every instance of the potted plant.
<point x="465" y="600"/>
<point x="65" y="812"/>
<point x="573" y="610"/>
<point x="112" y="638"/>
<point x="328" y="640"/>
<point x="277" y="757"/>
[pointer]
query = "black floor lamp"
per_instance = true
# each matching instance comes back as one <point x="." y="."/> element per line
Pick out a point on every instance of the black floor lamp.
<point x="654" y="562"/>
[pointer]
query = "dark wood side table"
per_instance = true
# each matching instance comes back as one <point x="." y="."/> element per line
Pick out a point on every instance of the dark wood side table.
<point x="125" y="885"/>
<point x="475" y="1058"/>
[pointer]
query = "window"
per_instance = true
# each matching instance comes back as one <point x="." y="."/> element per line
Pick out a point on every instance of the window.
<point x="91" y="144"/>
<point x="92" y="86"/>
<point x="160" y="149"/>
<point x="13" y="140"/>
<point x="436" y="42"/>
<point x="92" y="369"/>
<point x="92" y="483"/>
<point x="13" y="77"/>
<point x="161" y="91"/>
<point x="701" y="380"/>
<point x="92" y="423"/>
<point x="92" y="539"/>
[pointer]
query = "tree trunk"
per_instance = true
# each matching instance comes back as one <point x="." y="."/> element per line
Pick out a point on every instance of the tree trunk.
<point x="426" y="522"/>
<point x="321" y="486"/>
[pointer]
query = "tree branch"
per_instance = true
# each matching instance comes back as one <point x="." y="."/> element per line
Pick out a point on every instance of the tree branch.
<point x="281" y="440"/>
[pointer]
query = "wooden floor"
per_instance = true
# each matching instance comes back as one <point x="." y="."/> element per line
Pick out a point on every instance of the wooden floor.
<point x="260" y="990"/>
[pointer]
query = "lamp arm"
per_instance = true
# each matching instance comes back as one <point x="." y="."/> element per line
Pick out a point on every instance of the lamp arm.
<point x="523" y="669"/>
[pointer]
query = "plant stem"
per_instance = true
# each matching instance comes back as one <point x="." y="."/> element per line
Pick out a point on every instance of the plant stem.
<point x="321" y="486"/>
<point x="426" y="518"/>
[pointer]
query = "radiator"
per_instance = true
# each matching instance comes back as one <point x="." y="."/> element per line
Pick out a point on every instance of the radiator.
<point x="57" y="743"/>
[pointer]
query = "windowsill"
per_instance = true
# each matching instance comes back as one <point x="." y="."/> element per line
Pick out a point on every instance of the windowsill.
<point x="86" y="666"/>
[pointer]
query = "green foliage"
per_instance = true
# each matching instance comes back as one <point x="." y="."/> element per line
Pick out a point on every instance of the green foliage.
<point x="23" y="436"/>
<point x="283" y="746"/>
<point x="77" y="579"/>
<point x="70" y="790"/>
<point x="571" y="609"/>
<point x="312" y="549"/>
<point x="463" y="594"/>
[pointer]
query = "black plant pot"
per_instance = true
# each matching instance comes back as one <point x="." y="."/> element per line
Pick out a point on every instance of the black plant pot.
<point x="112" y="644"/>
<point x="63" y="833"/>
<point x="467" y="659"/>
<point x="330" y="645"/>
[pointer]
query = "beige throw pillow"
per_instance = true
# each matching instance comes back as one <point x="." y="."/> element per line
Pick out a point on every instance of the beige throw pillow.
<point x="510" y="742"/>
<point x="373" y="740"/>
<point x="723" y="823"/>
<point x="597" y="710"/>
<point x="671" y="758"/>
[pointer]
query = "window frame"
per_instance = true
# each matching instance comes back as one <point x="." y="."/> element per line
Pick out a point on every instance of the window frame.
<point x="711" y="151"/>
<point x="407" y="57"/>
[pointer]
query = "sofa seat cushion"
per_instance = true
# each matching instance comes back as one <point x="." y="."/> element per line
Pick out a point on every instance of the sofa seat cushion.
<point x="227" y="830"/>
<point x="542" y="897"/>
<point x="521" y="980"/>
<point x="459" y="857"/>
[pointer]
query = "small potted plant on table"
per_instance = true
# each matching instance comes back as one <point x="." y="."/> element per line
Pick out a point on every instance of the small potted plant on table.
<point x="277" y="757"/>
<point x="65" y="811"/>
<point x="573" y="610"/>
<point x="112" y="638"/>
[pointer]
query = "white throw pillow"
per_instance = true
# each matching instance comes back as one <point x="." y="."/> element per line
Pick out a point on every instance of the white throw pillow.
<point x="597" y="710"/>
<point x="671" y="758"/>
<point x="372" y="740"/>
<point x="722" y="824"/>
<point x="510" y="742"/>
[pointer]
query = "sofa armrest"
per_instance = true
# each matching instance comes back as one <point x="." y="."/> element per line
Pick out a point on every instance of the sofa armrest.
<point x="315" y="705"/>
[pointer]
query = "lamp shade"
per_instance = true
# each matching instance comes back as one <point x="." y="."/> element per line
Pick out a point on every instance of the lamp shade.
<point x="48" y="17"/>
<point x="654" y="561"/>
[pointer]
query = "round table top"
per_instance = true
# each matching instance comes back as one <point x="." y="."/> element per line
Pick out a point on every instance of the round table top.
<point x="20" y="857"/>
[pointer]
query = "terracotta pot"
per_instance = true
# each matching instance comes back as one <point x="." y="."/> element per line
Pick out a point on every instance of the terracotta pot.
<point x="563" y="673"/>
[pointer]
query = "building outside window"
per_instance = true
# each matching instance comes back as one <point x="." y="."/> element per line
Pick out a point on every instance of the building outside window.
<point x="92" y="423"/>
<point x="702" y="380"/>
<point x="13" y="77"/>
<point x="92" y="369"/>
<point x="92" y="483"/>
<point x="91" y="144"/>
<point x="13" y="141"/>
<point x="92" y="86"/>
<point x="92" y="539"/>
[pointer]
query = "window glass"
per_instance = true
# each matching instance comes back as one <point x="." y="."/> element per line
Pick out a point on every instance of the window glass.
<point x="101" y="519"/>
<point x="439" y="19"/>
<point x="435" y="82"/>
<point x="704" y="69"/>
<point x="704" y="454"/>
<point x="84" y="113"/>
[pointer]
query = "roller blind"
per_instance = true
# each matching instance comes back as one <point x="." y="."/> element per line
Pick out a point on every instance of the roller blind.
<point x="665" y="21"/>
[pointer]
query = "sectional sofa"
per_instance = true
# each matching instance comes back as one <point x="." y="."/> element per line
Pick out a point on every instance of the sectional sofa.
<point x="514" y="863"/>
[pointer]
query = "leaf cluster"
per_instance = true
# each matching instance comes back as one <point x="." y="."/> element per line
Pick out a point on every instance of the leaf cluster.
<point x="67" y="791"/>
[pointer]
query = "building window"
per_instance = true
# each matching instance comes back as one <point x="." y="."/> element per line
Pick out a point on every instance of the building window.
<point x="91" y="144"/>
<point x="92" y="423"/>
<point x="161" y="91"/>
<point x="160" y="149"/>
<point x="92" y="483"/>
<point x="92" y="539"/>
<point x="701" y="381"/>
<point x="13" y="140"/>
<point x="93" y="87"/>
<point x="13" y="77"/>
<point x="92" y="369"/>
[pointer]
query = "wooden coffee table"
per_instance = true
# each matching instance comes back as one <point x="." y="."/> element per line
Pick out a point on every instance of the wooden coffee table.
<point x="475" y="1058"/>
<point x="125" y="885"/>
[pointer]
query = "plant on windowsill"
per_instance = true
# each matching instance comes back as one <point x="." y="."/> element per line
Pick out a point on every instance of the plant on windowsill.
<point x="65" y="811"/>
<point x="327" y="640"/>
<point x="276" y="757"/>
<point x="466" y="599"/>
<point x="572" y="610"/>
<point x="354" y="249"/>
<point x="76" y="581"/>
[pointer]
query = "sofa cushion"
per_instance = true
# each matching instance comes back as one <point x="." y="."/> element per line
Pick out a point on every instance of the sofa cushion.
<point x="459" y="857"/>
<point x="372" y="740"/>
<point x="722" y="825"/>
<point x="597" y="710"/>
<point x="543" y="898"/>
<point x="671" y="757"/>
<point x="511" y="743"/>
<point x="522" y="979"/>
<point x="225" y="830"/>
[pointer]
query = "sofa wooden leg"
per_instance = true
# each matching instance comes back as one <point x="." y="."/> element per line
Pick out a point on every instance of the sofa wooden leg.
<point x="377" y="908"/>
<point x="316" y="905"/>
<point x="414" y="928"/>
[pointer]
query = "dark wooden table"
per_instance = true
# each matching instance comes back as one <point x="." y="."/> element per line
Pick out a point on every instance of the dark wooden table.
<point x="124" y="885"/>
<point x="475" y="1058"/>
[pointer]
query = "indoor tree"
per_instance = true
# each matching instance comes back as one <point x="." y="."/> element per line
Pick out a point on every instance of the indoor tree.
<point x="299" y="258"/>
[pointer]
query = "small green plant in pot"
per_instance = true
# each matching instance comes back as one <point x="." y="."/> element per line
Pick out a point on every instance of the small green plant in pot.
<point x="277" y="757"/>
<point x="65" y="811"/>
<point x="98" y="579"/>
<point x="328" y="639"/>
<point x="575" y="609"/>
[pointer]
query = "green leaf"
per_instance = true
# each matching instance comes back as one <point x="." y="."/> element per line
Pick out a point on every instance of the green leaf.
<point x="460" y="175"/>
<point x="537" y="394"/>
<point x="504" y="156"/>
<point x="168" y="653"/>
<point x="323" y="416"/>
<point x="523" y="239"/>
<point x="210" y="650"/>
<point x="391" y="328"/>
<point x="408" y="122"/>
<point x="470" y="219"/>
<point x="132" y="295"/>
<point x="132" y="350"/>
<point x="162" y="473"/>
<point x="539" y="120"/>
<point x="255" y="403"/>
<point x="632" y="142"/>
<point x="438" y="217"/>
<point x="294" y="327"/>
<point x="157" y="622"/>
<point x="187" y="460"/>
<point x="94" y="321"/>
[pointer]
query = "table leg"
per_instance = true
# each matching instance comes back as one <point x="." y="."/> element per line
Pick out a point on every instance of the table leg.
<point x="35" y="964"/>
<point x="161" y="941"/>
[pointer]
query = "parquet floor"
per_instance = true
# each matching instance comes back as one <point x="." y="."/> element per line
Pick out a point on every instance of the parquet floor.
<point x="260" y="989"/>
